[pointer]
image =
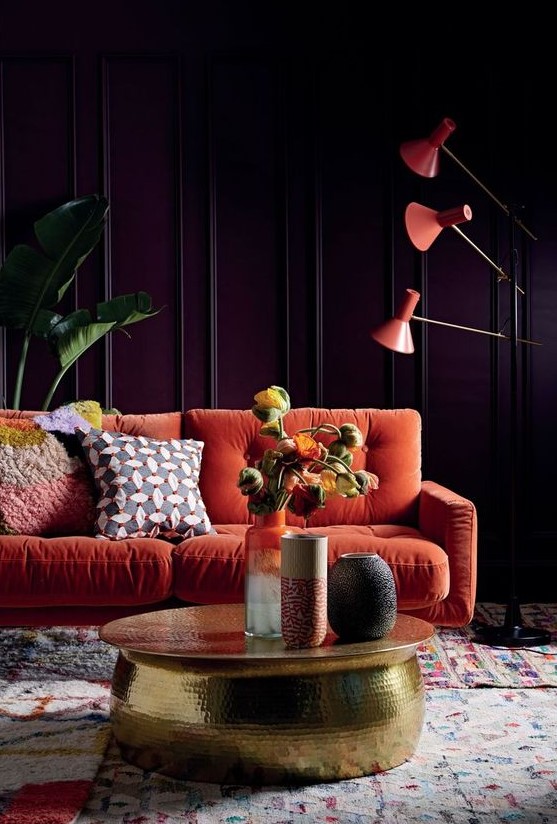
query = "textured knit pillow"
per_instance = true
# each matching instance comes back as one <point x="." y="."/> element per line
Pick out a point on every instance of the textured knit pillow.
<point x="147" y="488"/>
<point x="45" y="486"/>
<point x="66" y="418"/>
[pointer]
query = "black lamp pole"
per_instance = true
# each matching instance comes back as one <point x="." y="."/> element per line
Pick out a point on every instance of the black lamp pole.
<point x="513" y="633"/>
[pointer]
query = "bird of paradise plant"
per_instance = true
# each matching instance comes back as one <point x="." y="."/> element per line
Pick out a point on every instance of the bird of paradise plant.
<point x="34" y="279"/>
<point x="299" y="472"/>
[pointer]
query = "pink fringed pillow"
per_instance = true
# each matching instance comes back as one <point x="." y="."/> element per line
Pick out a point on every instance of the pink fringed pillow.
<point x="45" y="486"/>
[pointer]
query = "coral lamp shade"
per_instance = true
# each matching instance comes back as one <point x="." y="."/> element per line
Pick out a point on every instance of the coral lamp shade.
<point x="395" y="333"/>
<point x="424" y="224"/>
<point x="422" y="156"/>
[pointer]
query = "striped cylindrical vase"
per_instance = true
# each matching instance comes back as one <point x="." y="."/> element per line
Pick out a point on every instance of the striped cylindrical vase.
<point x="303" y="589"/>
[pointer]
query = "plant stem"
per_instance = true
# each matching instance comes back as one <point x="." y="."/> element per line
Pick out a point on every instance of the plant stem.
<point x="20" y="371"/>
<point x="54" y="387"/>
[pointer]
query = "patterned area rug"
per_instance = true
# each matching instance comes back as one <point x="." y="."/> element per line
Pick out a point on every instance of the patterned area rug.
<point x="484" y="755"/>
<point x="53" y="736"/>
<point x="453" y="659"/>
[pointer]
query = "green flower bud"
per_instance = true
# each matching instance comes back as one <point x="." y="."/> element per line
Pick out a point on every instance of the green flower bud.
<point x="319" y="494"/>
<point x="346" y="485"/>
<point x="367" y="481"/>
<point x="285" y="398"/>
<point x="266" y="413"/>
<point x="351" y="436"/>
<point x="269" y="461"/>
<point x="250" y="481"/>
<point x="271" y="404"/>
<point x="336" y="465"/>
<point x="271" y="430"/>
<point x="338" y="450"/>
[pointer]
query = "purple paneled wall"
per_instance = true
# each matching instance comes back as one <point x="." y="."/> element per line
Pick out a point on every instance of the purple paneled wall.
<point x="143" y="185"/>
<point x="249" y="153"/>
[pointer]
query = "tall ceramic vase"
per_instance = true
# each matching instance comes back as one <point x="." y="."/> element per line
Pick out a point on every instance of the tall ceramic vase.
<point x="304" y="589"/>
<point x="262" y="575"/>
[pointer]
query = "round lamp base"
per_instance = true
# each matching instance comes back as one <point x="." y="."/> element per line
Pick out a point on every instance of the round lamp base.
<point x="518" y="636"/>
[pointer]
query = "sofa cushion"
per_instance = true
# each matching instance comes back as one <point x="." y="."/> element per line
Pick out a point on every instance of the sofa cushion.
<point x="82" y="571"/>
<point x="45" y="486"/>
<point x="161" y="425"/>
<point x="210" y="570"/>
<point x="391" y="450"/>
<point x="147" y="487"/>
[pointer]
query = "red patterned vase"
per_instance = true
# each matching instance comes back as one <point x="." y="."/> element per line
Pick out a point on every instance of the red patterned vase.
<point x="303" y="589"/>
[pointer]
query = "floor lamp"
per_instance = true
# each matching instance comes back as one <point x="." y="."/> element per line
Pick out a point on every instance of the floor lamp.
<point x="423" y="226"/>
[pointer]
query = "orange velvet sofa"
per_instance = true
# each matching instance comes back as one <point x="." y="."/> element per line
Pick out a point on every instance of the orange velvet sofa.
<point x="426" y="532"/>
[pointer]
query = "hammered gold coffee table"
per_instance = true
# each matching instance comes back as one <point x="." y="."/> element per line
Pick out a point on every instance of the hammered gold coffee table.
<point x="195" y="699"/>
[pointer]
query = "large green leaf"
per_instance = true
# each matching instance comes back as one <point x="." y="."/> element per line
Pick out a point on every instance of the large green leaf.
<point x="32" y="280"/>
<point x="76" y="332"/>
<point x="76" y="336"/>
<point x="126" y="309"/>
<point x="72" y="229"/>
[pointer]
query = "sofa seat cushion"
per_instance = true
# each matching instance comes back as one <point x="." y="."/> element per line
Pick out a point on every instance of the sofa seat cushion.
<point x="37" y="571"/>
<point x="209" y="569"/>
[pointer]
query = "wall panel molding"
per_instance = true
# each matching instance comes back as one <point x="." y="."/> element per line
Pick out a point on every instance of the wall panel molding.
<point x="38" y="137"/>
<point x="143" y="141"/>
<point x="248" y="214"/>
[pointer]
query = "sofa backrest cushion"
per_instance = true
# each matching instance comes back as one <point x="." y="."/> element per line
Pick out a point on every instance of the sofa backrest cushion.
<point x="161" y="425"/>
<point x="391" y="450"/>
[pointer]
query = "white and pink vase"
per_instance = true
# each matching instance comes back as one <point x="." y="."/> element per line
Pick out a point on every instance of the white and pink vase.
<point x="303" y="589"/>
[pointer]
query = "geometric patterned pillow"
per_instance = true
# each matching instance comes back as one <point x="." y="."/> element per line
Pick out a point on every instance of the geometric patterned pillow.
<point x="146" y="487"/>
<point x="45" y="486"/>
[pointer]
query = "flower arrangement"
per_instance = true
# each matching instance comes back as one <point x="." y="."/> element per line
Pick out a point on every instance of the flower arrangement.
<point x="299" y="472"/>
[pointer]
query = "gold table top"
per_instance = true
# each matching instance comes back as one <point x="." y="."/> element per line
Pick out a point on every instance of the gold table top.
<point x="216" y="632"/>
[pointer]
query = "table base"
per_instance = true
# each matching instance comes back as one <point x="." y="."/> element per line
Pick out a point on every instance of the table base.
<point x="276" y="723"/>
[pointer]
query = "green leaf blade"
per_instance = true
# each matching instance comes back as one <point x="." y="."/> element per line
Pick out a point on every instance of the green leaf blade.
<point x="22" y="280"/>
<point x="75" y="340"/>
<point x="126" y="309"/>
<point x="31" y="280"/>
<point x="76" y="225"/>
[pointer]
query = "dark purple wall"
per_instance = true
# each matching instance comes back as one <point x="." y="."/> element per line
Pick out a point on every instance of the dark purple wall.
<point x="249" y="152"/>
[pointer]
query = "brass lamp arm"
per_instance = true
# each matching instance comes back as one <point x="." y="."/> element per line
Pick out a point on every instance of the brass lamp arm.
<point x="486" y="190"/>
<point x="473" y="329"/>
<point x="502" y="274"/>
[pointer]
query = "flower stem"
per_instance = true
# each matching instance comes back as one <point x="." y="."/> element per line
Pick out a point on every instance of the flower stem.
<point x="323" y="427"/>
<point x="332" y="468"/>
<point x="282" y="499"/>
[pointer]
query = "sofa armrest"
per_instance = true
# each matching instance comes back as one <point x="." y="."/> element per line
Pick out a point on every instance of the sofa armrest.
<point x="451" y="521"/>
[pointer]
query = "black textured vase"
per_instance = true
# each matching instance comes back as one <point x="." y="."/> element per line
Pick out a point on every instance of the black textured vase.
<point x="361" y="597"/>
